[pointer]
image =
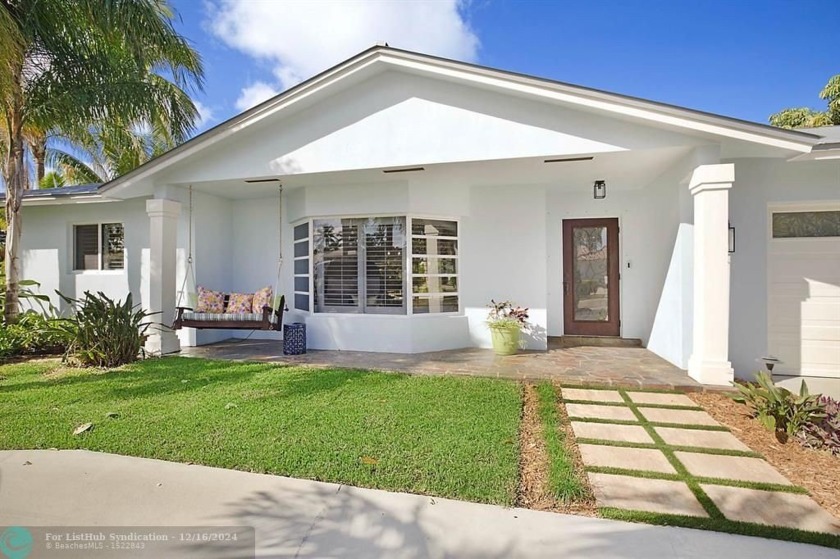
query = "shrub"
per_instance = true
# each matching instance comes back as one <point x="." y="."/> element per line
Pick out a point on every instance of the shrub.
<point x="35" y="331"/>
<point x="777" y="408"/>
<point x="823" y="433"/>
<point x="104" y="332"/>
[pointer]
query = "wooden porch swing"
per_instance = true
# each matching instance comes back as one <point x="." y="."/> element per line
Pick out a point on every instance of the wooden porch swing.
<point x="271" y="317"/>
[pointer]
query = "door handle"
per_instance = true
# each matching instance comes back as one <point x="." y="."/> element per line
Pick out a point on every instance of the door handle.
<point x="566" y="287"/>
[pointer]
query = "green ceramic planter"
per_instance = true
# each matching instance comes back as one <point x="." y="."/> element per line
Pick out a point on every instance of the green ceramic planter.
<point x="505" y="339"/>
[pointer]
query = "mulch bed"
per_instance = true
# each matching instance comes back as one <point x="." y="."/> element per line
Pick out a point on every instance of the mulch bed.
<point x="815" y="470"/>
<point x="533" y="462"/>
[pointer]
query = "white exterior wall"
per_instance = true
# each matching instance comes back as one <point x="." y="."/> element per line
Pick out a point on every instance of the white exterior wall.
<point x="47" y="249"/>
<point x="759" y="183"/>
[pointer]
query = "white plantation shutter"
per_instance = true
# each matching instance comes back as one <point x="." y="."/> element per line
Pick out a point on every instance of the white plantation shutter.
<point x="113" y="246"/>
<point x="359" y="265"/>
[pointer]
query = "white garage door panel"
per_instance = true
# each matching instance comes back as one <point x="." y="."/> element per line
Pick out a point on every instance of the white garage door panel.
<point x="803" y="314"/>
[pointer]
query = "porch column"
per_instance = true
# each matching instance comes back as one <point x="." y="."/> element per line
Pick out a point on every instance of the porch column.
<point x="709" y="361"/>
<point x="163" y="233"/>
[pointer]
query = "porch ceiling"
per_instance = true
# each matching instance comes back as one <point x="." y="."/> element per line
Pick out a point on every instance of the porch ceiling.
<point x="623" y="170"/>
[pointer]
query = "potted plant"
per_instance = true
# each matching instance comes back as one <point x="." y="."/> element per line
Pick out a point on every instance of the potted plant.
<point x="505" y="322"/>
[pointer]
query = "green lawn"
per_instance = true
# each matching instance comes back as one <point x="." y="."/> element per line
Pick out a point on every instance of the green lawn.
<point x="445" y="436"/>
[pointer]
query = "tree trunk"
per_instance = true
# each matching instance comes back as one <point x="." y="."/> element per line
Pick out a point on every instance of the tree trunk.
<point x="39" y="154"/>
<point x="15" y="178"/>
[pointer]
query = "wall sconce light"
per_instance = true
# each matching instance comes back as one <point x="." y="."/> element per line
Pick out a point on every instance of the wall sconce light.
<point x="600" y="190"/>
<point x="731" y="239"/>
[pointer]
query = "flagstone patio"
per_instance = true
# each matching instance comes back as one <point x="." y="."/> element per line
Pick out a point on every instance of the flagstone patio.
<point x="629" y="367"/>
<point x="675" y="459"/>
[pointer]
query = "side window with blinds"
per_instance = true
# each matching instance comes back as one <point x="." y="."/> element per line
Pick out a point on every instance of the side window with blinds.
<point x="86" y="247"/>
<point x="99" y="247"/>
<point x="301" y="265"/>
<point x="359" y="265"/>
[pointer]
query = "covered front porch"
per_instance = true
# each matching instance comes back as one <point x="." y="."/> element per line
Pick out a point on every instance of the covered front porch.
<point x="627" y="367"/>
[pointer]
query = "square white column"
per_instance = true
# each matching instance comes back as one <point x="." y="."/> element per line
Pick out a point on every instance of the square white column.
<point x="709" y="361"/>
<point x="163" y="234"/>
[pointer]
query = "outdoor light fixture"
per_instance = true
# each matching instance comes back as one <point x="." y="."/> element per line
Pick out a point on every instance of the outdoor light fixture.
<point x="731" y="239"/>
<point x="600" y="190"/>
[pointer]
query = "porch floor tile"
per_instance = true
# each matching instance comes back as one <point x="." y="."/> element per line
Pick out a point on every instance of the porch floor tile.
<point x="772" y="508"/>
<point x="650" y="495"/>
<point x="628" y="367"/>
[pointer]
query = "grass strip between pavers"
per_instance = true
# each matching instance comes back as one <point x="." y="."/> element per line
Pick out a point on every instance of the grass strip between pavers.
<point x="677" y="448"/>
<point x="647" y="474"/>
<point x="723" y="525"/>
<point x="651" y="423"/>
<point x="624" y="405"/>
<point x="563" y="481"/>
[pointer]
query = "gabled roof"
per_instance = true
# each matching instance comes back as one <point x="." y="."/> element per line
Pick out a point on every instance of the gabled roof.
<point x="621" y="105"/>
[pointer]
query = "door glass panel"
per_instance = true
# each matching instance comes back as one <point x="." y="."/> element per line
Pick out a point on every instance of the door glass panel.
<point x="591" y="293"/>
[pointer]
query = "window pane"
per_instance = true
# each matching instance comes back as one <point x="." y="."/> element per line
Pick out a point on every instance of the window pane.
<point x="113" y="246"/>
<point x="384" y="262"/>
<point x="434" y="227"/>
<point x="435" y="247"/>
<point x="302" y="232"/>
<point x="435" y="304"/>
<point x="301" y="249"/>
<point x="302" y="266"/>
<point x="86" y="251"/>
<point x="435" y="284"/>
<point x="301" y="302"/>
<point x="336" y="265"/>
<point x="806" y="224"/>
<point x="302" y="284"/>
<point x="432" y="265"/>
<point x="590" y="274"/>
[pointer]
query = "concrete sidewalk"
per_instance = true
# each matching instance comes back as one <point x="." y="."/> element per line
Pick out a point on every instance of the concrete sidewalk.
<point x="298" y="518"/>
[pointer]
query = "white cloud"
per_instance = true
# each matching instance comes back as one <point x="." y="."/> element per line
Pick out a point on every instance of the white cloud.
<point x="205" y="115"/>
<point x="300" y="38"/>
<point x="255" y="94"/>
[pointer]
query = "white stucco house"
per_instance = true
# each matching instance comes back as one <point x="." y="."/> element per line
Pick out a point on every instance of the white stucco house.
<point x="416" y="189"/>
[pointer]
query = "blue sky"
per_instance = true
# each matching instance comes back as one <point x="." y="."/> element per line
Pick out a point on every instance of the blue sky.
<point x="740" y="58"/>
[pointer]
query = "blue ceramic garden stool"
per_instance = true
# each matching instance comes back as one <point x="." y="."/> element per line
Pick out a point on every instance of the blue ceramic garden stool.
<point x="294" y="338"/>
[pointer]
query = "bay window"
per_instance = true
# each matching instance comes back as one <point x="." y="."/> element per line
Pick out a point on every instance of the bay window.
<point x="385" y="265"/>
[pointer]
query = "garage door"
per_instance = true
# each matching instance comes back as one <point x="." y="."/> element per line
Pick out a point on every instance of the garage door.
<point x="803" y="265"/>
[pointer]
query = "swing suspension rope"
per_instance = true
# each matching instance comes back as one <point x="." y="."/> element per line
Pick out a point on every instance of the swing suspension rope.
<point x="189" y="273"/>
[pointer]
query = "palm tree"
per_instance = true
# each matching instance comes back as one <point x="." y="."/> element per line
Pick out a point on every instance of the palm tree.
<point x="76" y="65"/>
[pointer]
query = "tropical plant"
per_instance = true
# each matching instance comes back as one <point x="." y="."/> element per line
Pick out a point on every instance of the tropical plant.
<point x="823" y="433"/>
<point x="103" y="332"/>
<point x="504" y="315"/>
<point x="804" y="117"/>
<point x="33" y="334"/>
<point x="71" y="66"/>
<point x="777" y="408"/>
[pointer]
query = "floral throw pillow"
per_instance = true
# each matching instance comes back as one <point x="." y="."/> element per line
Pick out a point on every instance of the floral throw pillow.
<point x="240" y="302"/>
<point x="262" y="298"/>
<point x="210" y="301"/>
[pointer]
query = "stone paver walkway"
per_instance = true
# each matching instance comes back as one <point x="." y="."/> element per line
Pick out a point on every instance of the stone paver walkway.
<point x="658" y="452"/>
<point x="628" y="367"/>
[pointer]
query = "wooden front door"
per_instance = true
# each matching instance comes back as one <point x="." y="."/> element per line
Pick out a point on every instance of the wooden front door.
<point x="590" y="277"/>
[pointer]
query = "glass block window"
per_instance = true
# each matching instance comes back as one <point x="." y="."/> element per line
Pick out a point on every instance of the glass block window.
<point x="787" y="225"/>
<point x="359" y="265"/>
<point x="434" y="266"/>
<point x="99" y="246"/>
<point x="301" y="266"/>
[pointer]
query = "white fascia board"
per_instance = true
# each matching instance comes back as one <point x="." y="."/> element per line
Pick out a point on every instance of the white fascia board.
<point x="66" y="200"/>
<point x="613" y="106"/>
